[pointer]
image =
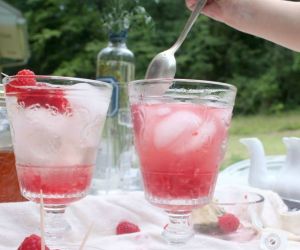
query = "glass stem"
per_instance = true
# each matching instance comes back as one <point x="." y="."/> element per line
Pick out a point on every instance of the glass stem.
<point x="179" y="229"/>
<point x="55" y="224"/>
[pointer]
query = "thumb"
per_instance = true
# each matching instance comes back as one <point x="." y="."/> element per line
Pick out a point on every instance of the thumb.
<point x="190" y="4"/>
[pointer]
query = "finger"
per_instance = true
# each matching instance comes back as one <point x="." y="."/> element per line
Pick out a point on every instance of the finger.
<point x="190" y="4"/>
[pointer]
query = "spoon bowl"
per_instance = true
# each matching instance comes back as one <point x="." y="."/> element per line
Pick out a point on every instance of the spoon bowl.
<point x="163" y="65"/>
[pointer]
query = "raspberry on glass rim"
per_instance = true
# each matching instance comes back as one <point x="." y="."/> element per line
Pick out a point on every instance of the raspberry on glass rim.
<point x="40" y="93"/>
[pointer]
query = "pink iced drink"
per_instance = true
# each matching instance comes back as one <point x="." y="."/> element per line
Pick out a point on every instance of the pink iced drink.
<point x="59" y="184"/>
<point x="180" y="146"/>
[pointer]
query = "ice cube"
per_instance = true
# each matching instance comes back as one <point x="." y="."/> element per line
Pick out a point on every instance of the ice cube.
<point x="182" y="132"/>
<point x="46" y="138"/>
<point x="89" y="106"/>
<point x="88" y="97"/>
<point x="42" y="138"/>
<point x="163" y="111"/>
<point x="198" y="138"/>
<point x="38" y="135"/>
<point x="175" y="127"/>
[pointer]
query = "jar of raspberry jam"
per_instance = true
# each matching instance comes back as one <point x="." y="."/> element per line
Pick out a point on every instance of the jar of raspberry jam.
<point x="9" y="186"/>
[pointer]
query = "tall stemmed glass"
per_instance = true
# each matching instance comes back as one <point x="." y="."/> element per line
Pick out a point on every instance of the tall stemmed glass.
<point x="180" y="136"/>
<point x="56" y="125"/>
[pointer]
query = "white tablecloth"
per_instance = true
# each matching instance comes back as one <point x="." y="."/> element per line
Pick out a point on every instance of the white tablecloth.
<point x="18" y="220"/>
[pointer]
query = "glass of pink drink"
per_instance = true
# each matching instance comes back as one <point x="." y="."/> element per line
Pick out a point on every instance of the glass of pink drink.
<point x="180" y="131"/>
<point x="56" y="125"/>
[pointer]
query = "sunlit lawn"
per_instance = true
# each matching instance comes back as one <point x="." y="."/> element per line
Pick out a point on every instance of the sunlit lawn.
<point x="268" y="128"/>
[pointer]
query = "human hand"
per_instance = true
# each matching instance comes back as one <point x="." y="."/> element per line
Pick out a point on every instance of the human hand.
<point x="220" y="10"/>
<point x="274" y="20"/>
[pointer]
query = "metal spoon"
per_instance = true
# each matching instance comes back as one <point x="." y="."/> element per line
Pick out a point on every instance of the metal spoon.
<point x="163" y="65"/>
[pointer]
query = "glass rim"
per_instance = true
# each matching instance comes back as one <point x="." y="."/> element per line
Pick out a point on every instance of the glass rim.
<point x="183" y="80"/>
<point x="7" y="79"/>
<point x="257" y="200"/>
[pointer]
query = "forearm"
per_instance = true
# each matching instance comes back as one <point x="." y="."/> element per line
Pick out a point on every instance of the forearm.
<point x="275" y="20"/>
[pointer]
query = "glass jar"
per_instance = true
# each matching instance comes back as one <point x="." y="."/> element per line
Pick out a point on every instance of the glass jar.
<point x="9" y="186"/>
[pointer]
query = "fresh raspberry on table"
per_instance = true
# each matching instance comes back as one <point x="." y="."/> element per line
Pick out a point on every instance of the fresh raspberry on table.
<point x="228" y="223"/>
<point x="26" y="77"/>
<point x="32" y="242"/>
<point x="126" y="227"/>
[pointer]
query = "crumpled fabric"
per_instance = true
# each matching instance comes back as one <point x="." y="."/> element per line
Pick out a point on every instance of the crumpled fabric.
<point x="104" y="212"/>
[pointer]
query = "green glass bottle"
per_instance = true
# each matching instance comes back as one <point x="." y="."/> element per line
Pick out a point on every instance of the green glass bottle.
<point x="116" y="159"/>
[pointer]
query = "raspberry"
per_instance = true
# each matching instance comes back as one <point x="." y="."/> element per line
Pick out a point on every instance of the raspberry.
<point x="10" y="87"/>
<point x="26" y="77"/>
<point x="228" y="223"/>
<point x="125" y="227"/>
<point x="45" y="98"/>
<point x="32" y="242"/>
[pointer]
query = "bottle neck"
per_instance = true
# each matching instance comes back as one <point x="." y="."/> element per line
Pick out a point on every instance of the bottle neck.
<point x="117" y="44"/>
<point x="117" y="39"/>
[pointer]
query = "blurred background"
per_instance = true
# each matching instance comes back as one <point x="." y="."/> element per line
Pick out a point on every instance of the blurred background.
<point x="65" y="36"/>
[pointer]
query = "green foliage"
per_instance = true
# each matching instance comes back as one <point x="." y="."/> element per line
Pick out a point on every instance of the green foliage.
<point x="270" y="129"/>
<point x="66" y="35"/>
<point x="119" y="15"/>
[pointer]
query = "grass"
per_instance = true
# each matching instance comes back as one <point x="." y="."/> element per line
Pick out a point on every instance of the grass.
<point x="268" y="128"/>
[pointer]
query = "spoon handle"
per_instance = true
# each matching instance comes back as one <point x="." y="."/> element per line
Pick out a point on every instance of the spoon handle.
<point x="189" y="24"/>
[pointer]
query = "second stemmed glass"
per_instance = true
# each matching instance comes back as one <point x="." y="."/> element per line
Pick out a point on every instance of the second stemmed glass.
<point x="180" y="137"/>
<point x="56" y="125"/>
